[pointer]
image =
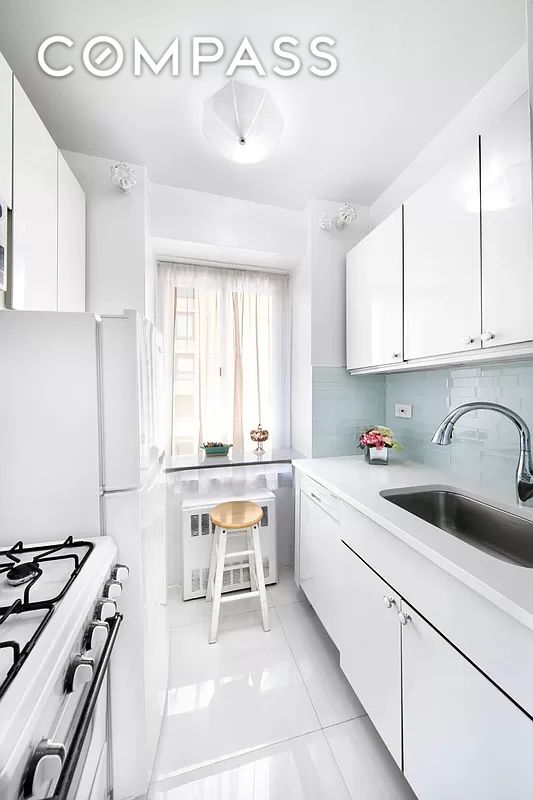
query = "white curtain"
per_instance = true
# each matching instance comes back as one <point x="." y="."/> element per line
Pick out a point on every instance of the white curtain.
<point x="226" y="335"/>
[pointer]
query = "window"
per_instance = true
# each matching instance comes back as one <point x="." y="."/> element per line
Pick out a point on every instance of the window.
<point x="227" y="349"/>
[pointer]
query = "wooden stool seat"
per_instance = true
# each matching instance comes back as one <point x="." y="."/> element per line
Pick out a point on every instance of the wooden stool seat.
<point x="236" y="518"/>
<point x="236" y="515"/>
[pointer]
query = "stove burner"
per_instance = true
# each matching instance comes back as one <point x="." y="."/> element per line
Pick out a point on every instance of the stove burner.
<point x="22" y="573"/>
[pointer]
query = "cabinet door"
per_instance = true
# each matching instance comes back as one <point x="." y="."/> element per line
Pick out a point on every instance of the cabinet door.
<point x="374" y="296"/>
<point x="507" y="227"/>
<point x="370" y="647"/>
<point x="320" y="545"/>
<point x="442" y="261"/>
<point x="463" y="738"/>
<point x="70" y="240"/>
<point x="34" y="284"/>
<point x="6" y="131"/>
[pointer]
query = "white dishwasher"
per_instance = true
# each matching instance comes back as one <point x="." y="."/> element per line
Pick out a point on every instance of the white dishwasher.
<point x="320" y="552"/>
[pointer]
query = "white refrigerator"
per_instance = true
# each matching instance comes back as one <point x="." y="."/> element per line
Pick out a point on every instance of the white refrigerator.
<point x="81" y="454"/>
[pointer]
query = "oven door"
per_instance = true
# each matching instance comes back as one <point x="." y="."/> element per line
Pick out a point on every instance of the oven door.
<point x="91" y="779"/>
<point x="84" y="775"/>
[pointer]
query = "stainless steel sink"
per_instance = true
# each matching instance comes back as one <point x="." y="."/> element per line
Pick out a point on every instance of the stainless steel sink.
<point x="501" y="534"/>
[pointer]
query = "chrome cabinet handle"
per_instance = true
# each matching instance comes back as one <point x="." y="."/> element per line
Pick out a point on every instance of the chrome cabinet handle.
<point x="468" y="340"/>
<point x="403" y="617"/>
<point x="388" y="602"/>
<point x="486" y="336"/>
<point x="316" y="497"/>
<point x="396" y="355"/>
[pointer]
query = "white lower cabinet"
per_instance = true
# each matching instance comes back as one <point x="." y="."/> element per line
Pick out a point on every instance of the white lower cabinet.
<point x="462" y="737"/>
<point x="320" y="551"/>
<point x="370" y="653"/>
<point x="449" y="727"/>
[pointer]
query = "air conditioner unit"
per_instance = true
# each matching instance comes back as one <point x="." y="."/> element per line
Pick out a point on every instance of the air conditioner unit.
<point x="197" y="539"/>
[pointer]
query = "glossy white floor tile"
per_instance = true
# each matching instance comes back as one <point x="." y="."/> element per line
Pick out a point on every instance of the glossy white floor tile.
<point x="366" y="765"/>
<point x="285" y="590"/>
<point x="298" y="769"/>
<point x="318" y="661"/>
<point x="231" y="697"/>
<point x="188" y="612"/>
<point x="244" y="716"/>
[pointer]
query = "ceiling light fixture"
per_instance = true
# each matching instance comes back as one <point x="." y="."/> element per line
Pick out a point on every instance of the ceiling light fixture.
<point x="347" y="214"/>
<point x="242" y="122"/>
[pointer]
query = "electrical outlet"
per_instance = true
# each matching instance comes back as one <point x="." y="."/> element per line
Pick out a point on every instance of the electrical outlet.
<point x="404" y="410"/>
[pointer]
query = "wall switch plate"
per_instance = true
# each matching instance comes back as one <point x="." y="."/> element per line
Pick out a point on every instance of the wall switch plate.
<point x="404" y="410"/>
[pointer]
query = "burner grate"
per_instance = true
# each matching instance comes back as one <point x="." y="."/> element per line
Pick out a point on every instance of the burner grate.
<point x="16" y="555"/>
<point x="50" y="554"/>
<point x="20" y="655"/>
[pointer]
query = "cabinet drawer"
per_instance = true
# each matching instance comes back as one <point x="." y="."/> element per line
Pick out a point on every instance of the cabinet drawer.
<point x="328" y="501"/>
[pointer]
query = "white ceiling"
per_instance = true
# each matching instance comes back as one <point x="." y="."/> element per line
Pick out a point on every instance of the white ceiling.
<point x="406" y="68"/>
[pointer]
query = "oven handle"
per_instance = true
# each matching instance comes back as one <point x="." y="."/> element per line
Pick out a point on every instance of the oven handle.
<point x="71" y="761"/>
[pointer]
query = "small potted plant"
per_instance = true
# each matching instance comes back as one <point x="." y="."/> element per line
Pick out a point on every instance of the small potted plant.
<point x="376" y="442"/>
<point x="216" y="448"/>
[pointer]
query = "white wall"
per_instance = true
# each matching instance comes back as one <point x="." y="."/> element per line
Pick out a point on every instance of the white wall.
<point x="319" y="310"/>
<point x="189" y="216"/>
<point x="494" y="98"/>
<point x="328" y="275"/>
<point x="301" y="374"/>
<point x="117" y="243"/>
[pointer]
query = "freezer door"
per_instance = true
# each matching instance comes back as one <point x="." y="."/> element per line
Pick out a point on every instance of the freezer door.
<point x="130" y="376"/>
<point x="49" y="457"/>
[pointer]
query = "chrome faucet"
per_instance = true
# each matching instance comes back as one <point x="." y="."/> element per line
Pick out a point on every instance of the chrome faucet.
<point x="524" y="469"/>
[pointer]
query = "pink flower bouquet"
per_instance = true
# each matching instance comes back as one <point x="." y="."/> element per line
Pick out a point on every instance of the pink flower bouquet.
<point x="378" y="437"/>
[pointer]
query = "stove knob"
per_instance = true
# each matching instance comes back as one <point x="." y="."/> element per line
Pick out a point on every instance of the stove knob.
<point x="79" y="672"/>
<point x="45" y="766"/>
<point x="104" y="610"/>
<point x="95" y="634"/>
<point x="112" y="589"/>
<point x="120" y="573"/>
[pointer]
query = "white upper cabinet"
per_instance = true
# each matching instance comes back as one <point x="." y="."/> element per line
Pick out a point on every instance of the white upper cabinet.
<point x="34" y="281"/>
<point x="442" y="261"/>
<point x="70" y="240"/>
<point x="507" y="227"/>
<point x="6" y="130"/>
<point x="374" y="301"/>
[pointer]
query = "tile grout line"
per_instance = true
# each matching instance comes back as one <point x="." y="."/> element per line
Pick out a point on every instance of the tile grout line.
<point x="245" y="753"/>
<point x="300" y="672"/>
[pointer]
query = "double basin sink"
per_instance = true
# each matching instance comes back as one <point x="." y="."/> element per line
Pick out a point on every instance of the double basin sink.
<point x="499" y="533"/>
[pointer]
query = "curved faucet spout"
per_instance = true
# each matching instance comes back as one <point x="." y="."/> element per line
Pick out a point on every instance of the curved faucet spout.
<point x="524" y="471"/>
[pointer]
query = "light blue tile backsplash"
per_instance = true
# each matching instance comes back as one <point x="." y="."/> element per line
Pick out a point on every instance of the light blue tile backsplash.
<point x="342" y="405"/>
<point x="485" y="444"/>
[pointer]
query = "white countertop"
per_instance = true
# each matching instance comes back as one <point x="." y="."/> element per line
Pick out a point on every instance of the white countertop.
<point x="359" y="484"/>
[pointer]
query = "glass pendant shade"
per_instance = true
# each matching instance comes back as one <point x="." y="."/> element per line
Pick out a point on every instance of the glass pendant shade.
<point x="242" y="122"/>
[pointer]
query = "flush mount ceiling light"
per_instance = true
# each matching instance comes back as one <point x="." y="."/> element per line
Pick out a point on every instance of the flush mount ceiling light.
<point x="242" y="122"/>
<point x="347" y="213"/>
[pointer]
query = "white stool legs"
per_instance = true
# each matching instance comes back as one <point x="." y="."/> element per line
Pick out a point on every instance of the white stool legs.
<point x="218" y="567"/>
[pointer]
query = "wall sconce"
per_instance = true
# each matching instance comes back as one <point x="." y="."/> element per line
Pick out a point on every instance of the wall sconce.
<point x="123" y="176"/>
<point x="347" y="213"/>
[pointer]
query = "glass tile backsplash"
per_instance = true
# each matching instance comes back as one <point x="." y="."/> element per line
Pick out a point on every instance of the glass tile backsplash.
<point x="485" y="444"/>
<point x="343" y="404"/>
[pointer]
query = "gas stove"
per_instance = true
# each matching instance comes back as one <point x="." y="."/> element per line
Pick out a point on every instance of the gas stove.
<point x="58" y="624"/>
<point x="32" y="581"/>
